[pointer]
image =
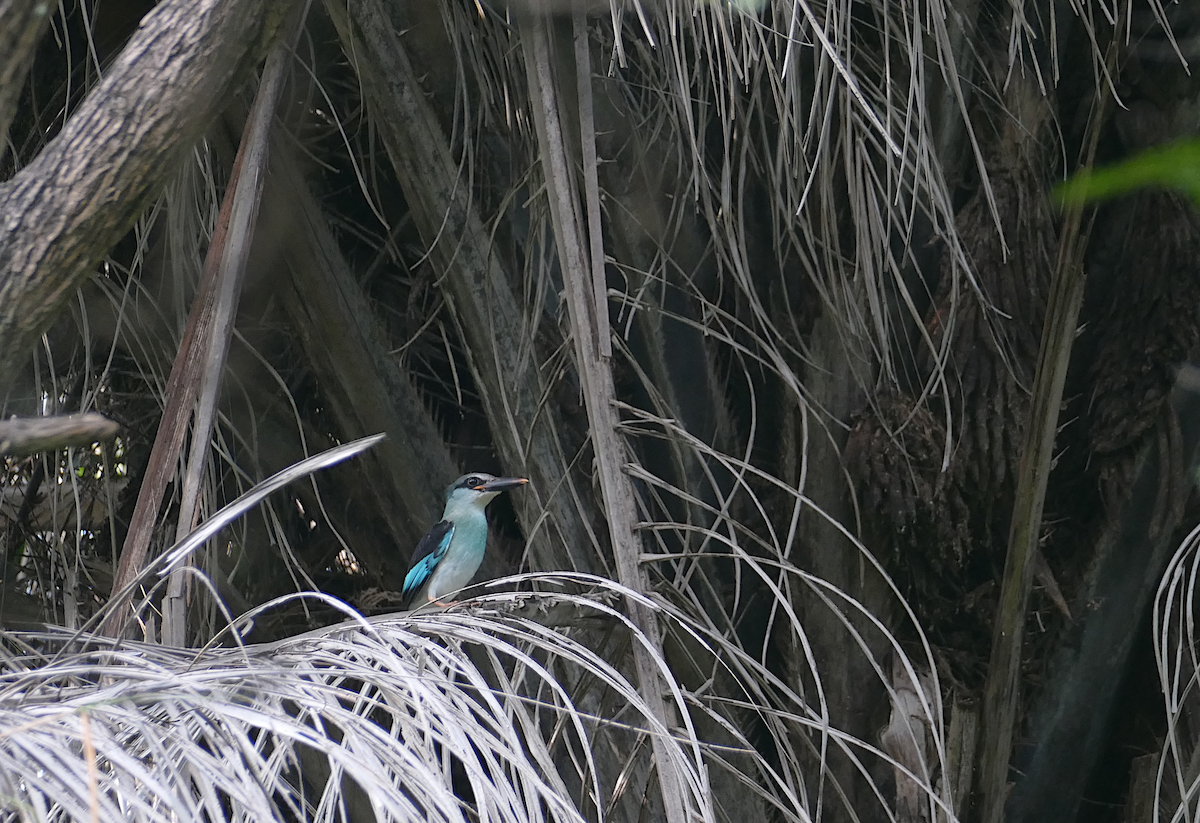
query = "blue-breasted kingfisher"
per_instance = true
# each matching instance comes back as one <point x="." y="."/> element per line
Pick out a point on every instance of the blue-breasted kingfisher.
<point x="450" y="553"/>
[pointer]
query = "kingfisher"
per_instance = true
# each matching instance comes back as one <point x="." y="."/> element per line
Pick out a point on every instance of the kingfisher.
<point x="450" y="553"/>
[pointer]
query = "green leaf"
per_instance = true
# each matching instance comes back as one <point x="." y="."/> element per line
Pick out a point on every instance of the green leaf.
<point x="1175" y="165"/>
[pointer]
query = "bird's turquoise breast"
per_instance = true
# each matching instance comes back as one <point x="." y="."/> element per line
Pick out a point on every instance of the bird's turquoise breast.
<point x="464" y="554"/>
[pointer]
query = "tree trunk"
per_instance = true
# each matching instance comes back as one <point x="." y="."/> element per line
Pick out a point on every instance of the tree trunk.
<point x="64" y="211"/>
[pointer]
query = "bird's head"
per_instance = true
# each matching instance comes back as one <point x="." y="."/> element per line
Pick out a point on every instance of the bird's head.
<point x="478" y="489"/>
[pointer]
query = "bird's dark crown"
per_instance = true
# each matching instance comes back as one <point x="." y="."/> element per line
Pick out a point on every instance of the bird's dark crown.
<point x="470" y="481"/>
<point x="484" y="483"/>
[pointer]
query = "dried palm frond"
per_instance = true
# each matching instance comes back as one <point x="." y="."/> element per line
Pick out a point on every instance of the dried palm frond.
<point x="496" y="708"/>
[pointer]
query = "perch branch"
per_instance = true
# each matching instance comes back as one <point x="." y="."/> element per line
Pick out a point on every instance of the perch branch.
<point x="30" y="435"/>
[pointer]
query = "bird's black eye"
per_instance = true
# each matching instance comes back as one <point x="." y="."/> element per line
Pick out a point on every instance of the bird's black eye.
<point x="474" y="481"/>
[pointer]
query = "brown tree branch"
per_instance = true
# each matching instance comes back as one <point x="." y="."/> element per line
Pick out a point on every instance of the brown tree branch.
<point x="30" y="435"/>
<point x="65" y="210"/>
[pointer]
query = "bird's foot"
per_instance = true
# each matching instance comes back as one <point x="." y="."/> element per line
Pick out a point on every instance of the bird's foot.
<point x="437" y="602"/>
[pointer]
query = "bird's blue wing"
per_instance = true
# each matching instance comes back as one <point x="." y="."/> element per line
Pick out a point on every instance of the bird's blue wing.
<point x="429" y="551"/>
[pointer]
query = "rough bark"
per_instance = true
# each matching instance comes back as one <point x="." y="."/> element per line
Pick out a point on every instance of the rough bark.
<point x="67" y="208"/>
<point x="843" y="673"/>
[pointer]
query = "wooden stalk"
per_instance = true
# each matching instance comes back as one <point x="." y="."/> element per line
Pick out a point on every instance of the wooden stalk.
<point x="580" y="251"/>
<point x="234" y="254"/>
<point x="1002" y="689"/>
<point x="180" y="399"/>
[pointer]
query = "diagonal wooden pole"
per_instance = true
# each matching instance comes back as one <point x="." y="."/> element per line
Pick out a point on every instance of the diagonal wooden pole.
<point x="180" y="398"/>
<point x="582" y="265"/>
<point x="195" y="350"/>
<point x="1002" y="689"/>
<point x="234" y="256"/>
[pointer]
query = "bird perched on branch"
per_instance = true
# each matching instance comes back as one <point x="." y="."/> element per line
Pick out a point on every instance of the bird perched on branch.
<point x="449" y="555"/>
